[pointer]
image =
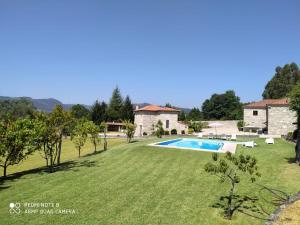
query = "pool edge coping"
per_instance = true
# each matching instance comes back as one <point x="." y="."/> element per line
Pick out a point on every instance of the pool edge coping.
<point x="222" y="150"/>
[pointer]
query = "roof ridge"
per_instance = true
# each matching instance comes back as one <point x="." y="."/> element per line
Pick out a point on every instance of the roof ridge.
<point x="156" y="108"/>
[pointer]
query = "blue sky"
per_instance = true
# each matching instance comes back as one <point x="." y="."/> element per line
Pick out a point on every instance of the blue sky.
<point x="156" y="51"/>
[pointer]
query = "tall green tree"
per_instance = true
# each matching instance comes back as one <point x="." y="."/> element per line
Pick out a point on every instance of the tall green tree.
<point x="182" y="116"/>
<point x="282" y="82"/>
<point x="127" y="111"/>
<point x="99" y="112"/>
<point x="225" y="106"/>
<point x="18" y="140"/>
<point x="294" y="96"/>
<point x="194" y="115"/>
<point x="115" y="106"/>
<point x="80" y="111"/>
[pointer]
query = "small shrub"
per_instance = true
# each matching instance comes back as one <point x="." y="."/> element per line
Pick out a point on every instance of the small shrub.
<point x="183" y="132"/>
<point x="205" y="125"/>
<point x="173" y="131"/>
<point x="145" y="134"/>
<point x="159" y="130"/>
<point x="292" y="136"/>
<point x="289" y="136"/>
<point x="191" y="130"/>
<point x="240" y="124"/>
<point x="167" y="132"/>
<point x="197" y="126"/>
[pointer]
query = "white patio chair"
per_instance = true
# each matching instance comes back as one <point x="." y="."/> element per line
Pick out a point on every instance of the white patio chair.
<point x="270" y="141"/>
<point x="249" y="144"/>
<point x="233" y="137"/>
<point x="224" y="137"/>
<point x="200" y="135"/>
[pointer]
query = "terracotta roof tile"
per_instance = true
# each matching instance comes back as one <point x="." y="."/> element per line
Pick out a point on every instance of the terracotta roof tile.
<point x="155" y="108"/>
<point x="263" y="103"/>
<point x="283" y="101"/>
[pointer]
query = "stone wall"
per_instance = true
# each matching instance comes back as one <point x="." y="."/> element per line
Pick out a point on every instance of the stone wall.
<point x="256" y="121"/>
<point x="280" y="120"/>
<point x="144" y="121"/>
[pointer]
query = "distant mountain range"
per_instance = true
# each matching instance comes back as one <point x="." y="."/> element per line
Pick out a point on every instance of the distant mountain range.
<point x="48" y="104"/>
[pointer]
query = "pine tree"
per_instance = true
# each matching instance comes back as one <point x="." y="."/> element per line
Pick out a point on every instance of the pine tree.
<point x="98" y="112"/>
<point x="182" y="116"/>
<point x="115" y="106"/>
<point x="127" y="111"/>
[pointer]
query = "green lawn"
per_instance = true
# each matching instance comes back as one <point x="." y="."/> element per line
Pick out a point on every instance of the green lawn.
<point x="137" y="184"/>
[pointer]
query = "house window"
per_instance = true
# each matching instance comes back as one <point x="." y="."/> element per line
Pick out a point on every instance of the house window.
<point x="167" y="124"/>
<point x="255" y="113"/>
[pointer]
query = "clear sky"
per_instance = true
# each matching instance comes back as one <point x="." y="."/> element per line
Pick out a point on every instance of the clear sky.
<point x="156" y="51"/>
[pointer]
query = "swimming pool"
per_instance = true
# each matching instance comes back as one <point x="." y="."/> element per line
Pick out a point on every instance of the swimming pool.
<point x="192" y="144"/>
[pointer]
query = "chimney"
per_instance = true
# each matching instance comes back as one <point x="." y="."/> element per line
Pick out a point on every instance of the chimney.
<point x="136" y="107"/>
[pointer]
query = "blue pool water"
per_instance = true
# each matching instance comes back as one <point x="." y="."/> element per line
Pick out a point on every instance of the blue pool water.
<point x="194" y="144"/>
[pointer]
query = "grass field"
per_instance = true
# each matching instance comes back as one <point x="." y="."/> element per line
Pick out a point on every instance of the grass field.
<point x="138" y="184"/>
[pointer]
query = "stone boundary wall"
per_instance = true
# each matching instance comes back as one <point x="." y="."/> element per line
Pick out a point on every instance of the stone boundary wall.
<point x="274" y="216"/>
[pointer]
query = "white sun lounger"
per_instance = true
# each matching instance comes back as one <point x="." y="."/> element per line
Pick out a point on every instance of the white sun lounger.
<point x="270" y="141"/>
<point x="233" y="137"/>
<point x="200" y="135"/>
<point x="224" y="137"/>
<point x="249" y="144"/>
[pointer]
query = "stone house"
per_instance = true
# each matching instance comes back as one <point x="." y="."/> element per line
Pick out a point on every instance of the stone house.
<point x="271" y="114"/>
<point x="146" y="117"/>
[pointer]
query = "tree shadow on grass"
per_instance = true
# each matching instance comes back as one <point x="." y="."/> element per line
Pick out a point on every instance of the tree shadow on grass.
<point x="252" y="206"/>
<point x="94" y="153"/>
<point x="243" y="204"/>
<point x="66" y="166"/>
<point x="290" y="160"/>
<point x="2" y="185"/>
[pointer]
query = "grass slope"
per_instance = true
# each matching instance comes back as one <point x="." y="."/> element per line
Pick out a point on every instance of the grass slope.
<point x="138" y="184"/>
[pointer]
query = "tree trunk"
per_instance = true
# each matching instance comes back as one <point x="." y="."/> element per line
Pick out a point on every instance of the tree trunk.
<point x="51" y="161"/>
<point x="105" y="141"/>
<point x="105" y="144"/>
<point x="59" y="149"/>
<point x="79" y="151"/>
<point x="4" y="170"/>
<point x="229" y="210"/>
<point x="95" y="146"/>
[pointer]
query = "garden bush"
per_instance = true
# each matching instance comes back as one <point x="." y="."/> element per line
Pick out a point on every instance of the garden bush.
<point x="145" y="134"/>
<point x="167" y="132"/>
<point x="292" y="136"/>
<point x="173" y="131"/>
<point x="191" y="130"/>
<point x="240" y="124"/>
